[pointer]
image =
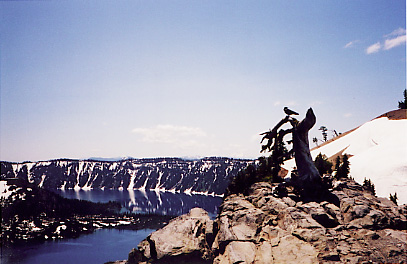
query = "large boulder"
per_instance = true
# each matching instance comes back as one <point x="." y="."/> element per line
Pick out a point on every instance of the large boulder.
<point x="184" y="238"/>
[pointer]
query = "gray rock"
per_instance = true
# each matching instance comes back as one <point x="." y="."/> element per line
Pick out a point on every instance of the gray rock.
<point x="272" y="235"/>
<point x="240" y="222"/>
<point x="184" y="235"/>
<point x="309" y="235"/>
<point x="293" y="250"/>
<point x="400" y="235"/>
<point x="224" y="235"/>
<point x="293" y="218"/>
<point x="290" y="202"/>
<point x="271" y="204"/>
<point x="320" y="214"/>
<point x="237" y="252"/>
<point x="264" y="253"/>
<point x="333" y="211"/>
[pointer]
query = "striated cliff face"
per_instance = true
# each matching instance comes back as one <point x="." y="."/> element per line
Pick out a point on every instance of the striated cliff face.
<point x="207" y="175"/>
<point x="262" y="228"/>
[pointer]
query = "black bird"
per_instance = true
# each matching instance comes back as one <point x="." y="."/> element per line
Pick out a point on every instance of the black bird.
<point x="289" y="112"/>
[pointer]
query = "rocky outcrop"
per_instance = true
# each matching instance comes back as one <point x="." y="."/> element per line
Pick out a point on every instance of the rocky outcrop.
<point x="262" y="228"/>
<point x="185" y="238"/>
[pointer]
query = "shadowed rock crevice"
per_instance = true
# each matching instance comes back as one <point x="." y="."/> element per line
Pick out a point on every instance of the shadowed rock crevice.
<point x="153" y="251"/>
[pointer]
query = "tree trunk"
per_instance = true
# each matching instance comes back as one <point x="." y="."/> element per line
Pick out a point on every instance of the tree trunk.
<point x="308" y="181"/>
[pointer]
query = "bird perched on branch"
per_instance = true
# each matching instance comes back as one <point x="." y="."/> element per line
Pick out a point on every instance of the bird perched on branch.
<point x="289" y="111"/>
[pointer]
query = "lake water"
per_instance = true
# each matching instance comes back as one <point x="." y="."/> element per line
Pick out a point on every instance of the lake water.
<point x="135" y="201"/>
<point x="108" y="244"/>
<point x="100" y="247"/>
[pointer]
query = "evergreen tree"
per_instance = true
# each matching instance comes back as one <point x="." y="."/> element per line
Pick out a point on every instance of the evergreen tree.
<point x="402" y="104"/>
<point x="322" y="164"/>
<point x="345" y="165"/>
<point x="243" y="180"/>
<point x="324" y="132"/>
<point x="315" y="140"/>
<point x="265" y="169"/>
<point x="369" y="186"/>
<point x="343" y="169"/>
<point x="277" y="158"/>
<point x="337" y="163"/>
<point x="394" y="198"/>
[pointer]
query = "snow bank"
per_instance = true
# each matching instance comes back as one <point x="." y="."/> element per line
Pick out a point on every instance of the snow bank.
<point x="378" y="151"/>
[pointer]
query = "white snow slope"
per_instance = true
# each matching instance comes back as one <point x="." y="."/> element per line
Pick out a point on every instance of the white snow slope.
<point x="378" y="151"/>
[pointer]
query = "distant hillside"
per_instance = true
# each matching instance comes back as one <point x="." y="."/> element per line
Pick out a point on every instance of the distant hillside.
<point x="207" y="175"/>
<point x="377" y="151"/>
<point x="395" y="114"/>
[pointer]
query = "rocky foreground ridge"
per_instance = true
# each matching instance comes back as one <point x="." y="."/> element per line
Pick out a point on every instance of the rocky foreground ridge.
<point x="262" y="228"/>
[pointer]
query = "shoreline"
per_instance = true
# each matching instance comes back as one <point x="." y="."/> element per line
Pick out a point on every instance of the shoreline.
<point x="44" y="228"/>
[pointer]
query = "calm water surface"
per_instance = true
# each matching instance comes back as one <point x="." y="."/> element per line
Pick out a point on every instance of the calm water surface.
<point x="108" y="244"/>
<point x="102" y="246"/>
<point x="164" y="203"/>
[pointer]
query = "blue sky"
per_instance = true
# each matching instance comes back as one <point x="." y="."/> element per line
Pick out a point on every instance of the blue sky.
<point x="84" y="79"/>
